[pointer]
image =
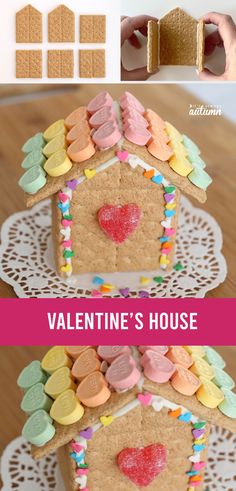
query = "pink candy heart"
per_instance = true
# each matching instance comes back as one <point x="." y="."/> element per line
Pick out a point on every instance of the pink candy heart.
<point x="157" y="367"/>
<point x="129" y="100"/>
<point x="101" y="100"/>
<point x="145" y="399"/>
<point x="107" y="135"/>
<point x="100" y="117"/>
<point x="122" y="155"/>
<point x="109" y="353"/>
<point x="123" y="372"/>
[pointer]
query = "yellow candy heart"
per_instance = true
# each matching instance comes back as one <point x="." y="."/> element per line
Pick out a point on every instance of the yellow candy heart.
<point x="58" y="382"/>
<point x="90" y="173"/>
<point x="67" y="268"/>
<point x="209" y="394"/>
<point x="58" y="164"/>
<point x="55" y="358"/>
<point x="106" y="420"/>
<point x="66" y="409"/>
<point x="181" y="167"/>
<point x="58" y="143"/>
<point x="173" y="132"/>
<point x="179" y="149"/>
<point x="170" y="206"/>
<point x="54" y="130"/>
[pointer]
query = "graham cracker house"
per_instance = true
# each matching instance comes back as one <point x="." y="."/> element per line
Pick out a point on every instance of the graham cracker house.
<point x="127" y="418"/>
<point x="115" y="172"/>
<point x="175" y="39"/>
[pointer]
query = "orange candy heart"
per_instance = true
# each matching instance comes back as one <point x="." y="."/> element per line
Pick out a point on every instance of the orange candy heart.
<point x="81" y="149"/>
<point x="80" y="114"/>
<point x="85" y="364"/>
<point x="75" y="351"/>
<point x="93" y="390"/>
<point x="81" y="128"/>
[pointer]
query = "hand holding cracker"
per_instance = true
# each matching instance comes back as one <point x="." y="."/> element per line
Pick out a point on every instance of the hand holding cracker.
<point x="223" y="37"/>
<point x="129" y="27"/>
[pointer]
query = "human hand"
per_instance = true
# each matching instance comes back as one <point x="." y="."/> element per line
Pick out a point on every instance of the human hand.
<point x="129" y="27"/>
<point x="224" y="36"/>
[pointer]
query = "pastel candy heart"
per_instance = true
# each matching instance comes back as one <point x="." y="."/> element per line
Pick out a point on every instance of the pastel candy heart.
<point x="107" y="135"/>
<point x="122" y="155"/>
<point x="35" y="399"/>
<point x="81" y="128"/>
<point x="58" y="382"/>
<point x="106" y="420"/>
<point x="162" y="350"/>
<point x="157" y="367"/>
<point x="55" y="129"/>
<point x="137" y="134"/>
<point x="55" y="358"/>
<point x="123" y="372"/>
<point x="173" y="132"/>
<point x="106" y="113"/>
<point x="131" y="116"/>
<point x="31" y="375"/>
<point x="196" y="351"/>
<point x="33" y="180"/>
<point x="86" y="363"/>
<point x="66" y="409"/>
<point x="202" y="368"/>
<point x="200" y="178"/>
<point x="119" y="221"/>
<point x="57" y="143"/>
<point x="190" y="145"/>
<point x="228" y="405"/>
<point x="160" y="150"/>
<point x="177" y="354"/>
<point x="142" y="465"/>
<point x="75" y="351"/>
<point x="36" y="142"/>
<point x="58" y="164"/>
<point x="81" y="149"/>
<point x="38" y="429"/>
<point x="72" y="184"/>
<point x="214" y="358"/>
<point x="185" y="381"/>
<point x="157" y="179"/>
<point x="93" y="390"/>
<point x="109" y="353"/>
<point x="145" y="399"/>
<point x="129" y="100"/>
<point x="89" y="173"/>
<point x="101" y="100"/>
<point x="87" y="433"/>
<point x="79" y="114"/>
<point x="35" y="157"/>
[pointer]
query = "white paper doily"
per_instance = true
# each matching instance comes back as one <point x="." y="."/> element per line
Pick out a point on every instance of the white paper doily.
<point x="19" y="472"/>
<point x="26" y="260"/>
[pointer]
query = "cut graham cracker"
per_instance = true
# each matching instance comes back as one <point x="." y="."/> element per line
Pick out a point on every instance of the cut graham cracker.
<point x="61" y="63"/>
<point x="200" y="45"/>
<point x="153" y="46"/>
<point x="178" y="38"/>
<point x="29" y="25"/>
<point x="92" y="28"/>
<point x="28" y="64"/>
<point x="61" y="25"/>
<point x="92" y="63"/>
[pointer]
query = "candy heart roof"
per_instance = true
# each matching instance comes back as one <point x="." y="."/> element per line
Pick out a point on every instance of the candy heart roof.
<point x="103" y="133"/>
<point x="191" y="377"/>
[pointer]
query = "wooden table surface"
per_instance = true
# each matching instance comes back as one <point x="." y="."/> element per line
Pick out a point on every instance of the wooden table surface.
<point x="14" y="359"/>
<point x="24" y="115"/>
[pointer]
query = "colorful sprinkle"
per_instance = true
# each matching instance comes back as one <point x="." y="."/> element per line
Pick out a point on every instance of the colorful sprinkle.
<point x="143" y="294"/>
<point x="158" y="279"/>
<point x="106" y="420"/>
<point x="87" y="433"/>
<point x="145" y="399"/>
<point x="149" y="174"/>
<point x="72" y="184"/>
<point x="96" y="294"/>
<point x="186" y="417"/>
<point x="170" y="189"/>
<point x="199" y="425"/>
<point x="198" y="448"/>
<point x="66" y="269"/>
<point x="178" y="267"/>
<point x="157" y="179"/>
<point x="124" y="292"/>
<point x="176" y="413"/>
<point x="144" y="281"/>
<point x="170" y="213"/>
<point x="68" y="254"/>
<point x="164" y="239"/>
<point x="97" y="280"/>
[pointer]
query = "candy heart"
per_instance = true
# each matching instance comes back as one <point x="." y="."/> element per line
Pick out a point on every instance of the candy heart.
<point x="81" y="128"/>
<point x="100" y="117"/>
<point x="173" y="132"/>
<point x="123" y="373"/>
<point x="57" y="143"/>
<point x="59" y="381"/>
<point x="38" y="429"/>
<point x="55" y="129"/>
<point x="35" y="399"/>
<point x="137" y="134"/>
<point x="33" y="179"/>
<point x="31" y="375"/>
<point x="122" y="155"/>
<point x="87" y="433"/>
<point x="181" y="165"/>
<point x="36" y="142"/>
<point x="142" y="465"/>
<point x="157" y="367"/>
<point x="86" y="363"/>
<point x="124" y="292"/>
<point x="102" y="99"/>
<point x="109" y="353"/>
<point x="107" y="135"/>
<point x="80" y="114"/>
<point x="72" y="184"/>
<point x="177" y="354"/>
<point x="160" y="150"/>
<point x="162" y="350"/>
<point x="81" y="149"/>
<point x="55" y="358"/>
<point x="66" y="409"/>
<point x="93" y="390"/>
<point x="35" y="157"/>
<point x="58" y="164"/>
<point x="166" y="223"/>
<point x="127" y="100"/>
<point x="118" y="221"/>
<point x="89" y="173"/>
<point x="63" y="197"/>
<point x="184" y="381"/>
<point x="154" y="119"/>
<point x="106" y="420"/>
<point x="145" y="399"/>
<point x="75" y="351"/>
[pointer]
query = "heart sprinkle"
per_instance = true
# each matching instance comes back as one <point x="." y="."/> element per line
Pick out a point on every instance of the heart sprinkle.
<point x="124" y="292"/>
<point x="106" y="420"/>
<point x="143" y="294"/>
<point x="145" y="399"/>
<point x="72" y="184"/>
<point x="87" y="433"/>
<point x="122" y="155"/>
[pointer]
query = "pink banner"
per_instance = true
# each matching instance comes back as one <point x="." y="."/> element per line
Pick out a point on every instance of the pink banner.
<point x="118" y="321"/>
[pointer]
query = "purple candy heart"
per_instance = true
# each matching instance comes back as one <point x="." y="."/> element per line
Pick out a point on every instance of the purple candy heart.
<point x="143" y="294"/>
<point x="198" y="433"/>
<point x="87" y="434"/>
<point x="124" y="292"/>
<point x="168" y="197"/>
<point x="72" y="184"/>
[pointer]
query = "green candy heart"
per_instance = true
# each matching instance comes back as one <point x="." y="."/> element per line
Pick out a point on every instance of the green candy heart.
<point x="35" y="399"/>
<point x="170" y="189"/>
<point x="214" y="358"/>
<point x="39" y="429"/>
<point x="34" y="158"/>
<point x="228" y="405"/>
<point x="222" y="379"/>
<point x="158" y="279"/>
<point x="34" y="143"/>
<point x="33" y="179"/>
<point x="190" y="145"/>
<point x="200" y="178"/>
<point x="31" y="375"/>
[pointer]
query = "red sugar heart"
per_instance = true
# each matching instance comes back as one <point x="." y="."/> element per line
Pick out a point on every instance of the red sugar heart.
<point x="142" y="465"/>
<point x="118" y="222"/>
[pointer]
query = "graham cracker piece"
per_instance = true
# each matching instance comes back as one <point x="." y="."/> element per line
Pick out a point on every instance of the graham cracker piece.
<point x="92" y="28"/>
<point x="61" y="25"/>
<point x="153" y="46"/>
<point x="29" y="64"/>
<point x="61" y="63"/>
<point x="29" y="25"/>
<point x="178" y="35"/>
<point x="200" y="45"/>
<point x="92" y="63"/>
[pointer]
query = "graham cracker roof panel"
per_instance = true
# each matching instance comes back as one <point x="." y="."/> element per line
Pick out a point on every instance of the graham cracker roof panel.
<point x="61" y="25"/>
<point x="178" y="38"/>
<point x="29" y="25"/>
